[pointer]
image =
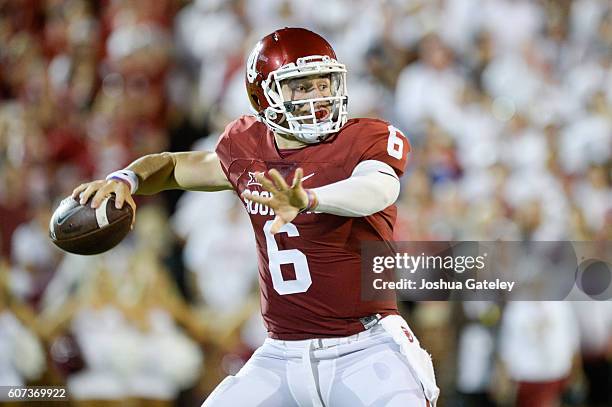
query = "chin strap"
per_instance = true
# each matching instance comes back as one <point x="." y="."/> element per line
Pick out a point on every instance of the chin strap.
<point x="312" y="133"/>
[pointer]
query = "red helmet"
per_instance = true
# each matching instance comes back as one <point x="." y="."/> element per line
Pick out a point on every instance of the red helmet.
<point x="294" y="53"/>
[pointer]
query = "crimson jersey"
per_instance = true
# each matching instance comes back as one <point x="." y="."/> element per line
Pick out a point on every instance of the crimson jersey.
<point x="309" y="272"/>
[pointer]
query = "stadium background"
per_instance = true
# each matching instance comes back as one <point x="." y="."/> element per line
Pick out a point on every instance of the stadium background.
<point x="508" y="105"/>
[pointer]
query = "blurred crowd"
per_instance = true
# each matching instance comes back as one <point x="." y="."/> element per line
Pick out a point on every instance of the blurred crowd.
<point x="508" y="106"/>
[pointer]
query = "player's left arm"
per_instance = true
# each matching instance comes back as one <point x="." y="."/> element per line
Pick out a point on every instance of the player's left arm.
<point x="372" y="186"/>
<point x="374" y="182"/>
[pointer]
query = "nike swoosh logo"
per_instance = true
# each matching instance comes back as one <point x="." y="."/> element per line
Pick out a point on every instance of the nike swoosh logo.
<point x="308" y="176"/>
<point x="62" y="218"/>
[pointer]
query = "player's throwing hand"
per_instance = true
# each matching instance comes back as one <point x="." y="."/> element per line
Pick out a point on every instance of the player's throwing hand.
<point x="286" y="201"/>
<point x="100" y="189"/>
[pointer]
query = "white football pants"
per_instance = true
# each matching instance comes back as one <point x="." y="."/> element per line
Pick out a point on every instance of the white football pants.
<point x="383" y="366"/>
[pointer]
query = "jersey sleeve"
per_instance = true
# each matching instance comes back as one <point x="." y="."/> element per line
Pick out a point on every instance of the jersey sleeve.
<point x="382" y="142"/>
<point x="224" y="148"/>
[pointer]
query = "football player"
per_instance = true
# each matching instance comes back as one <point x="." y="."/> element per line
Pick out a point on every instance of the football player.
<point x="315" y="185"/>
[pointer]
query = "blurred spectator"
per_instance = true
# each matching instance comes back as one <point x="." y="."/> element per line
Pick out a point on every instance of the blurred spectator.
<point x="538" y="343"/>
<point x="476" y="353"/>
<point x="595" y="322"/>
<point x="34" y="257"/>
<point x="429" y="89"/>
<point x="22" y="357"/>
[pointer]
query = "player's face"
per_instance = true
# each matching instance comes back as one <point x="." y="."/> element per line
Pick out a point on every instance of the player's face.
<point x="309" y="88"/>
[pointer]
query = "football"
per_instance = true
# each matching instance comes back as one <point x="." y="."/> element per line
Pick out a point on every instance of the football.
<point x="80" y="229"/>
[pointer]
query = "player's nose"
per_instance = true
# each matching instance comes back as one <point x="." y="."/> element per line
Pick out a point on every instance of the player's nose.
<point x="322" y="104"/>
<point x="322" y="93"/>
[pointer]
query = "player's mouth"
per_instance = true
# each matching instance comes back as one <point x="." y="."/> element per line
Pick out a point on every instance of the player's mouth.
<point x="322" y="113"/>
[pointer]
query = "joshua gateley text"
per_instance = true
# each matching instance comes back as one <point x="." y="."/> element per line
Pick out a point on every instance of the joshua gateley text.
<point x="425" y="284"/>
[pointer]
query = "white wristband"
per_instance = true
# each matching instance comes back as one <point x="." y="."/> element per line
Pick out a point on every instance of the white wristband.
<point x="128" y="176"/>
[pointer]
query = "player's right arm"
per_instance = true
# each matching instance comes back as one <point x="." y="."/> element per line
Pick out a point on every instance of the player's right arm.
<point x="191" y="171"/>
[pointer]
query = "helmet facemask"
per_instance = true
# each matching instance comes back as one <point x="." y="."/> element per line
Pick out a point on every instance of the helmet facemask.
<point x="308" y="120"/>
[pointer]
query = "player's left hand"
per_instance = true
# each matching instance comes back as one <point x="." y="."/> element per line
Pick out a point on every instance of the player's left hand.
<point x="286" y="201"/>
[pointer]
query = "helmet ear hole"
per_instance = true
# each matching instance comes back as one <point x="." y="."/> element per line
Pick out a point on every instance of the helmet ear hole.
<point x="289" y="107"/>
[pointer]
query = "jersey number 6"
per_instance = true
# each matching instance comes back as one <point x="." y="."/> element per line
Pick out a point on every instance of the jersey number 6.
<point x="278" y="257"/>
<point x="395" y="144"/>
